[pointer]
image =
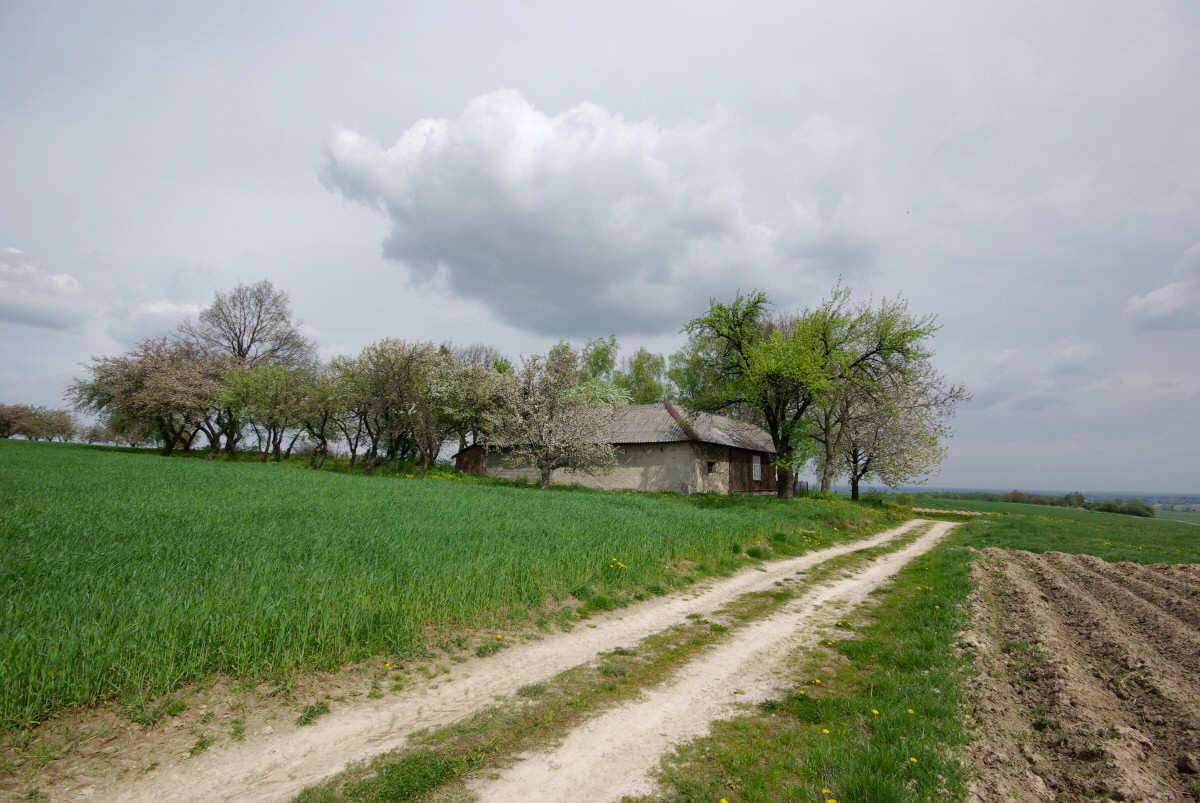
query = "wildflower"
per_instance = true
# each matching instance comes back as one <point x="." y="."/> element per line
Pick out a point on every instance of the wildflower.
<point x="499" y="636"/>
<point x="911" y="711"/>
<point x="817" y="681"/>
<point x="938" y="607"/>
<point x="826" y="792"/>
<point x="875" y="712"/>
<point x="825" y="730"/>
<point x="802" y="691"/>
<point x="913" y="760"/>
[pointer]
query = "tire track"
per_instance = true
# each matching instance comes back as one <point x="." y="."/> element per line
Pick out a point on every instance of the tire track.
<point x="611" y="755"/>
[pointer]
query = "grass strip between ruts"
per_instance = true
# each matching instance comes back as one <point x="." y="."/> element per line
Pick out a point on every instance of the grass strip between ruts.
<point x="546" y="711"/>
<point x="880" y="716"/>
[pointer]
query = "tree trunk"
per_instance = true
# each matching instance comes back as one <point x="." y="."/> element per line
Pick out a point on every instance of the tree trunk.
<point x="546" y="478"/>
<point x="853" y="488"/>
<point x="288" y="453"/>
<point x="424" y="468"/>
<point x="784" y="483"/>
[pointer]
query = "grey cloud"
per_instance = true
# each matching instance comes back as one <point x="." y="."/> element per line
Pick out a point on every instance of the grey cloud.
<point x="32" y="296"/>
<point x="562" y="225"/>
<point x="1175" y="305"/>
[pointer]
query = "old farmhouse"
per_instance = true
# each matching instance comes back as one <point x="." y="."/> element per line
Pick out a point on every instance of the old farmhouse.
<point x="660" y="448"/>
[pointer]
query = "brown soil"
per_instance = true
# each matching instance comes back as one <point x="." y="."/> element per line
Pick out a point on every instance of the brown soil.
<point x="1089" y="684"/>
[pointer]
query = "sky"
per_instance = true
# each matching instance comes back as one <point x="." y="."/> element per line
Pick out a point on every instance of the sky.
<point x="523" y="173"/>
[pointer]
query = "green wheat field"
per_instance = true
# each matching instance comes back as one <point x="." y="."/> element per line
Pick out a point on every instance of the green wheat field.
<point x="128" y="573"/>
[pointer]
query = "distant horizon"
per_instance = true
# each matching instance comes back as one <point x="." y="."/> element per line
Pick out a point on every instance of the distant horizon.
<point x="916" y="489"/>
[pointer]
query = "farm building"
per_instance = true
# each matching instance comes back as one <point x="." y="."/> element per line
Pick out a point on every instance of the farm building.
<point x="660" y="448"/>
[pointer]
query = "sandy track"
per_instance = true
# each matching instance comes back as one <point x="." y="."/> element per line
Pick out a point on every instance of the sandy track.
<point x="1090" y="683"/>
<point x="612" y="754"/>
<point x="277" y="765"/>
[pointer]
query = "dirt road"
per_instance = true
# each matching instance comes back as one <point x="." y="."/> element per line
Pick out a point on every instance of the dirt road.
<point x="275" y="762"/>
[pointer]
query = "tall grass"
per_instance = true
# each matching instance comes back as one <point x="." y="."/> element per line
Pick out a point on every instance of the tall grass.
<point x="128" y="572"/>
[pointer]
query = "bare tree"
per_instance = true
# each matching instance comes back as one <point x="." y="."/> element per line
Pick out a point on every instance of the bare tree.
<point x="252" y="324"/>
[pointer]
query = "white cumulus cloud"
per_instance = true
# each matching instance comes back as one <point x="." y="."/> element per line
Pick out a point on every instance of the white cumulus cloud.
<point x="30" y="295"/>
<point x="574" y="224"/>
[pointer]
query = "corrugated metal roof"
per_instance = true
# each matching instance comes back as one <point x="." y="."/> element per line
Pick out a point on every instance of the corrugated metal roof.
<point x="653" y="423"/>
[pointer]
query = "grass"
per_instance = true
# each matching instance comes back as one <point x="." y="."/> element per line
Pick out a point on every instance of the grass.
<point x="1109" y="536"/>
<point x="126" y="574"/>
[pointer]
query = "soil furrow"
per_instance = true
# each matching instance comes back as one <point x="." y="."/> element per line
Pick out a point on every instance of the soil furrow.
<point x="1163" y="626"/>
<point x="1151" y="586"/>
<point x="1121" y="643"/>
<point x="1107" y="707"/>
<point x="1054" y="676"/>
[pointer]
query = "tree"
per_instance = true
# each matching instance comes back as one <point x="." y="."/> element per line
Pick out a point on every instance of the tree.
<point x="252" y="326"/>
<point x="12" y="417"/>
<point x="380" y="387"/>
<point x="320" y="402"/>
<point x="896" y="433"/>
<point x="599" y="358"/>
<point x="161" y="387"/>
<point x="267" y="398"/>
<point x="643" y="377"/>
<point x="775" y="369"/>
<point x="548" y="422"/>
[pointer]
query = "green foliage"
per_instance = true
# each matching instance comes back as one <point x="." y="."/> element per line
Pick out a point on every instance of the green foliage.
<point x="122" y="572"/>
<point x="599" y="358"/>
<point x="643" y="376"/>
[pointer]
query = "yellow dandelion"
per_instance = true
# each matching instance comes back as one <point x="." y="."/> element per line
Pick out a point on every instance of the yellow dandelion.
<point x="911" y="711"/>
<point x="499" y="636"/>
<point x="802" y="691"/>
<point x="824" y="730"/>
<point x="875" y="712"/>
<point x="826" y="792"/>
<point x="938" y="607"/>
<point x="913" y="760"/>
<point x="817" y="681"/>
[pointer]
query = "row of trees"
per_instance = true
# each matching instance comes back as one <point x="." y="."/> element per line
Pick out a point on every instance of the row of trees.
<point x="36" y="423"/>
<point x="844" y="386"/>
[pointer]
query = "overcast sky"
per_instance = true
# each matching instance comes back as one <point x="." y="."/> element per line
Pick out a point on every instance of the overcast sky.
<point x="522" y="173"/>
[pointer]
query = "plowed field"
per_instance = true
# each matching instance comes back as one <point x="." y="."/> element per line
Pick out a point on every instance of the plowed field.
<point x="1090" y="678"/>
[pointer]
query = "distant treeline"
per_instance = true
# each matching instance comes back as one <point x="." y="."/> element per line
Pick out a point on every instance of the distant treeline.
<point x="1132" y="507"/>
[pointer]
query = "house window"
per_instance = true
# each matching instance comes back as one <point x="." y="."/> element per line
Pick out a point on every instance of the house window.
<point x="756" y="468"/>
<point x="711" y="466"/>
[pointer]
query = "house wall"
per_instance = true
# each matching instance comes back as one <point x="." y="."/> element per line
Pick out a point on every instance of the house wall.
<point x="681" y="468"/>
